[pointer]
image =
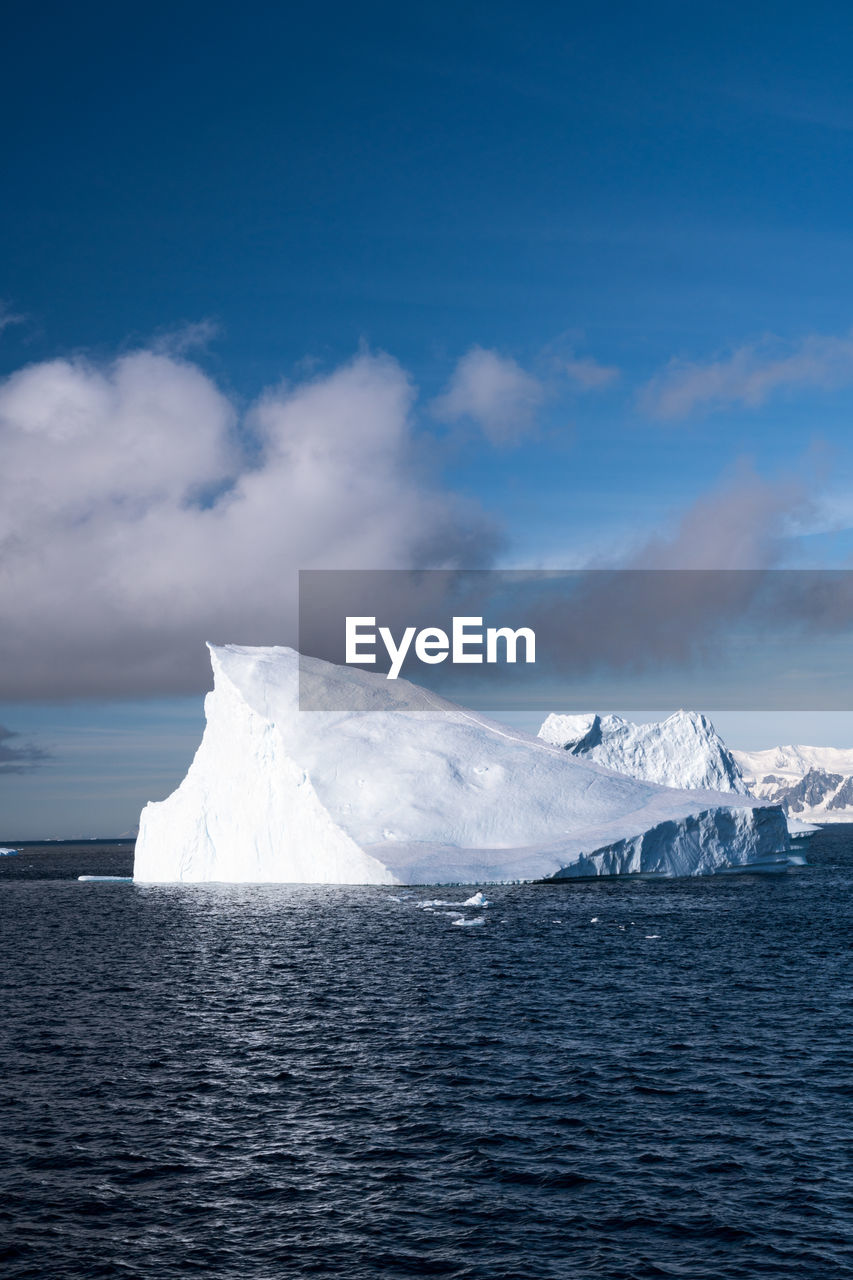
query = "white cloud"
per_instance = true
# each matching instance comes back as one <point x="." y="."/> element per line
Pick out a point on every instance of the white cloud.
<point x="135" y="525"/>
<point x="750" y="375"/>
<point x="495" y="392"/>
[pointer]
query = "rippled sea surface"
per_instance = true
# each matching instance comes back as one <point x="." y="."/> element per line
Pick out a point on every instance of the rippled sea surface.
<point x="286" y="1081"/>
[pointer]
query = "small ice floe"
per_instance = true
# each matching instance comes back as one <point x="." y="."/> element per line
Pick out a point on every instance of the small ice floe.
<point x="595" y="920"/>
<point x="478" y="900"/>
<point x="799" y="830"/>
<point x="8" y="853"/>
<point x="650" y="937"/>
<point x="430" y="903"/>
<point x="115" y="879"/>
<point x="467" y="922"/>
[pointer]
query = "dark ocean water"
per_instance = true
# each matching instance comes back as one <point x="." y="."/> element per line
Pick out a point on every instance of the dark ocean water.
<point x="283" y="1081"/>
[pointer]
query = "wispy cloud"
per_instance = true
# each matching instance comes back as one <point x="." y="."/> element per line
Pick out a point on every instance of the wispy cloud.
<point x="589" y="374"/>
<point x="193" y="336"/>
<point x="750" y="375"/>
<point x="743" y="523"/>
<point x="493" y="391"/>
<point x="679" y="596"/>
<point x="8" y="317"/>
<point x="18" y="757"/>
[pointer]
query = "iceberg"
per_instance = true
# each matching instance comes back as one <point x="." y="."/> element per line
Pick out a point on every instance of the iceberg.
<point x="686" y="751"/>
<point x="405" y="787"/>
<point x="682" y="751"/>
<point x="111" y="879"/>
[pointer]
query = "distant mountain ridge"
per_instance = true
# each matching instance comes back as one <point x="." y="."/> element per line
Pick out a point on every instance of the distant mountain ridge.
<point x="811" y="783"/>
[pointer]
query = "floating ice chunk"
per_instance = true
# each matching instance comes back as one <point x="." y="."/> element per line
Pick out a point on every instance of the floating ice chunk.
<point x="799" y="830"/>
<point x="8" y="853"/>
<point x="468" y="922"/>
<point x="650" y="937"/>
<point x="595" y="920"/>
<point x="477" y="900"/>
<point x="115" y="879"/>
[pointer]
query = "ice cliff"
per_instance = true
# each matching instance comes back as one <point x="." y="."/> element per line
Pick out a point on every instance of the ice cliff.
<point x="682" y="751"/>
<point x="406" y="788"/>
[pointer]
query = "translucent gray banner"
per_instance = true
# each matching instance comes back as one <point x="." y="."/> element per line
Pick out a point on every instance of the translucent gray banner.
<point x="775" y="639"/>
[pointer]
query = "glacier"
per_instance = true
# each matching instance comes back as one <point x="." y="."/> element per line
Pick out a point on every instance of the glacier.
<point x="405" y="787"/>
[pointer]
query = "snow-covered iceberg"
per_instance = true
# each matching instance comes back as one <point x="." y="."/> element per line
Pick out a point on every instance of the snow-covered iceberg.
<point x="682" y="751"/>
<point x="407" y="788"/>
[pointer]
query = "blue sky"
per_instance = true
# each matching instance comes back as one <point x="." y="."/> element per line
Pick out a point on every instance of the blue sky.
<point x="608" y="253"/>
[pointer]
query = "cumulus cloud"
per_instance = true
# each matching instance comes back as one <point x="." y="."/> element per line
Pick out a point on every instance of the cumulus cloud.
<point x="17" y="757"/>
<point x="750" y="375"/>
<point x="493" y="391"/>
<point x="143" y="513"/>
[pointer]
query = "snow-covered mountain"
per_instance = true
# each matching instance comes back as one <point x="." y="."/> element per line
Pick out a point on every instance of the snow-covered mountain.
<point x="682" y="751"/>
<point x="407" y="788"/>
<point x="814" y="784"/>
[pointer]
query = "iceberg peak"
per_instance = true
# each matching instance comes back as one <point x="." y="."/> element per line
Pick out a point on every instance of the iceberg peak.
<point x="684" y="750"/>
